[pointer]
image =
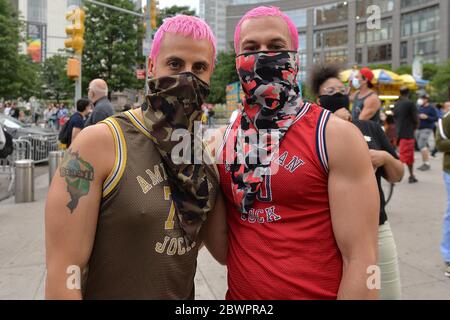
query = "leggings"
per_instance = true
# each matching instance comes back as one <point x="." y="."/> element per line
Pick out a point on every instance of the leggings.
<point x="388" y="263"/>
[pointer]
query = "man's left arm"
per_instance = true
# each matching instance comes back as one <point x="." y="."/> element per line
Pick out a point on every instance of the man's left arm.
<point x="371" y="106"/>
<point x="355" y="205"/>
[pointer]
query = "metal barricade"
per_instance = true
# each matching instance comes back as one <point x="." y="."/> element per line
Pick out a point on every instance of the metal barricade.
<point x="22" y="151"/>
<point x="41" y="145"/>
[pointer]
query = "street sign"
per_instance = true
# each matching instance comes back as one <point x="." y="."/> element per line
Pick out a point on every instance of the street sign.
<point x="140" y="74"/>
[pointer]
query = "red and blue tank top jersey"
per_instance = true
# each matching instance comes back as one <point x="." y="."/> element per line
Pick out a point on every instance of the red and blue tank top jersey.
<point x="284" y="248"/>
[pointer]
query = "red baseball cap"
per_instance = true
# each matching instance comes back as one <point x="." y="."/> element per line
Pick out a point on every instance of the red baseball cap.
<point x="367" y="73"/>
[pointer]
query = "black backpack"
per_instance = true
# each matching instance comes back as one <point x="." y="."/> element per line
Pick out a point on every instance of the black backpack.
<point x="63" y="136"/>
<point x="9" y="147"/>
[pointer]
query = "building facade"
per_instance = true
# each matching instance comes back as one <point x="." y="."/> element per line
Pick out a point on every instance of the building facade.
<point x="214" y="13"/>
<point x="346" y="30"/>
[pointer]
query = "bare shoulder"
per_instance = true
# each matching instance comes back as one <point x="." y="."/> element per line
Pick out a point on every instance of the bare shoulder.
<point x="345" y="142"/>
<point x="96" y="145"/>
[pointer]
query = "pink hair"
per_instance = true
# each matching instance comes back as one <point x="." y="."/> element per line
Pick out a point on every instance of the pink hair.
<point x="263" y="11"/>
<point x="187" y="26"/>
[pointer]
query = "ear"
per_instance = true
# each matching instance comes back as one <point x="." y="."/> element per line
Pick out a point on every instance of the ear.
<point x="318" y="101"/>
<point x="150" y="67"/>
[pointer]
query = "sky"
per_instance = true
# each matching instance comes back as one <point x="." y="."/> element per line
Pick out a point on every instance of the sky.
<point x="168" y="3"/>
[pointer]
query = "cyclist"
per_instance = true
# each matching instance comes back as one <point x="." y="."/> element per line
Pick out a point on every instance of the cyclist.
<point x="332" y="95"/>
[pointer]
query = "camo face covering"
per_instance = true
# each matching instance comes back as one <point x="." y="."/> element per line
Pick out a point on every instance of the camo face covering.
<point x="271" y="103"/>
<point x="174" y="102"/>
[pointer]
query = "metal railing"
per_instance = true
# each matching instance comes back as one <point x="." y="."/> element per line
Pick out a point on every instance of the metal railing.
<point x="22" y="151"/>
<point x="40" y="146"/>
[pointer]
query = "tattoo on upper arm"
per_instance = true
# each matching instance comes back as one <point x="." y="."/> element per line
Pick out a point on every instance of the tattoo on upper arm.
<point x="78" y="175"/>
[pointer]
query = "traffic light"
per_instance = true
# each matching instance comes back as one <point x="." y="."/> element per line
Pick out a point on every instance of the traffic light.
<point x="153" y="14"/>
<point x="73" y="68"/>
<point x="76" y="30"/>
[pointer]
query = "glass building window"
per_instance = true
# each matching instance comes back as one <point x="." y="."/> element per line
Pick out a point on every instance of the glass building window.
<point x="298" y="16"/>
<point x="403" y="50"/>
<point x="37" y="11"/>
<point x="379" y="53"/>
<point x="359" y="55"/>
<point x="302" y="41"/>
<point x="331" y="13"/>
<point x="411" y="3"/>
<point x="420" y="21"/>
<point x="331" y="38"/>
<point x="362" y="5"/>
<point x="336" y="55"/>
<point x="426" y="46"/>
<point x="364" y="35"/>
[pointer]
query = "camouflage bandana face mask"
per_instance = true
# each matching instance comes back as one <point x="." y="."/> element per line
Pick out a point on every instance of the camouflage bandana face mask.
<point x="271" y="103"/>
<point x="174" y="102"/>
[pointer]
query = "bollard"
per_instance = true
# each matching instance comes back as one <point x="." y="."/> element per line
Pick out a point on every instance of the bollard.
<point x="54" y="160"/>
<point x="24" y="181"/>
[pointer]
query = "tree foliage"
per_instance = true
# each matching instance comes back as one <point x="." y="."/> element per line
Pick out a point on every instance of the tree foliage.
<point x="224" y="73"/>
<point x="57" y="84"/>
<point x="172" y="11"/>
<point x="113" y="46"/>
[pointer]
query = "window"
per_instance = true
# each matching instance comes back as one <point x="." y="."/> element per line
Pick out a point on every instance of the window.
<point x="299" y="17"/>
<point x="420" y="21"/>
<point x="364" y="35"/>
<point x="248" y="1"/>
<point x="331" y="38"/>
<point x="302" y="41"/>
<point x="403" y="50"/>
<point x="37" y="11"/>
<point x="411" y="3"/>
<point x="427" y="47"/>
<point x="337" y="55"/>
<point x="379" y="53"/>
<point x="331" y="13"/>
<point x="362" y="5"/>
<point x="359" y="55"/>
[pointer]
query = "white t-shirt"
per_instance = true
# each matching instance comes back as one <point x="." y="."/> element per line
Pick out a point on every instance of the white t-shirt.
<point x="2" y="138"/>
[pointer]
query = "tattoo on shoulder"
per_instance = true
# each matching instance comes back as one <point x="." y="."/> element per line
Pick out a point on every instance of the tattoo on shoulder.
<point x="78" y="175"/>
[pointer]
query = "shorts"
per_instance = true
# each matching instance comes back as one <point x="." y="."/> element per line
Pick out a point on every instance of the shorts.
<point x="406" y="150"/>
<point x="422" y="138"/>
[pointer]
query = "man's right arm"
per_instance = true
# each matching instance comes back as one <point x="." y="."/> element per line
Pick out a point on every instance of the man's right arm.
<point x="442" y="137"/>
<point x="72" y="208"/>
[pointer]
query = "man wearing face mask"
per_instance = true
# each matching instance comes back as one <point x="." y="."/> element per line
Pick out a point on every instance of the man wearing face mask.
<point x="333" y="96"/>
<point x="302" y="218"/>
<point x="366" y="104"/>
<point x="123" y="214"/>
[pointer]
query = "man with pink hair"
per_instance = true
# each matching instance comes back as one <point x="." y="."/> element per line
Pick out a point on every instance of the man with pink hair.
<point x="122" y="217"/>
<point x="302" y="219"/>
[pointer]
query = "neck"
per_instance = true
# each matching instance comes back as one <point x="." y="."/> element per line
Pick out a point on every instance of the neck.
<point x="364" y="90"/>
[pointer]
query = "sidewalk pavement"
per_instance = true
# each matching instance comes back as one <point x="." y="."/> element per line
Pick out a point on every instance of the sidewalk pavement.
<point x="415" y="214"/>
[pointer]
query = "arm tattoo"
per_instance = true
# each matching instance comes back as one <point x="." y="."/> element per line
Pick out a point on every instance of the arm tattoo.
<point x="78" y="175"/>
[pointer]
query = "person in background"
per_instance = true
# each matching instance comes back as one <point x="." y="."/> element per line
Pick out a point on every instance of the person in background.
<point x="7" y="110"/>
<point x="406" y="121"/>
<point x="366" y="104"/>
<point x="76" y="121"/>
<point x="332" y="95"/>
<point x="443" y="145"/>
<point x="98" y="94"/>
<point x="425" y="136"/>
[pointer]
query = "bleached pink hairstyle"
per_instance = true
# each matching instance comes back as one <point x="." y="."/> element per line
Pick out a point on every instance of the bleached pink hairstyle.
<point x="264" y="11"/>
<point x="187" y="26"/>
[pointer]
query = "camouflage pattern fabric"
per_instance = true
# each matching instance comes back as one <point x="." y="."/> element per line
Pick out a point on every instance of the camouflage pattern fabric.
<point x="174" y="102"/>
<point x="271" y="103"/>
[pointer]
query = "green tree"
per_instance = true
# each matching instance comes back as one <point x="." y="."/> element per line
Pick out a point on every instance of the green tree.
<point x="56" y="83"/>
<point x="172" y="11"/>
<point x="404" y="70"/>
<point x="429" y="70"/>
<point x="441" y="82"/>
<point x="27" y="78"/>
<point x="9" y="44"/>
<point x="113" y="46"/>
<point x="224" y="73"/>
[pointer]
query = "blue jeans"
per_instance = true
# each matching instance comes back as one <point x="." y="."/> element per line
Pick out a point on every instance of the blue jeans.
<point x="445" y="244"/>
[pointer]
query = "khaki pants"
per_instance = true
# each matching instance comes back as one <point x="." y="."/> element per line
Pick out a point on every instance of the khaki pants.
<point x="388" y="263"/>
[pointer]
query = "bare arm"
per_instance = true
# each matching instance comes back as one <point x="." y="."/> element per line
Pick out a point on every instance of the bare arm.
<point x="371" y="106"/>
<point x="354" y="203"/>
<point x="72" y="209"/>
<point x="75" y="132"/>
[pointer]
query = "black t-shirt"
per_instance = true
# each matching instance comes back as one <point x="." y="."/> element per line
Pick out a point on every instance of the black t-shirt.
<point x="377" y="140"/>
<point x="405" y="116"/>
<point x="75" y="121"/>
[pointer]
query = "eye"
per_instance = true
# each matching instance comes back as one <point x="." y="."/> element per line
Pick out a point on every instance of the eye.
<point x="199" y="68"/>
<point x="174" y="64"/>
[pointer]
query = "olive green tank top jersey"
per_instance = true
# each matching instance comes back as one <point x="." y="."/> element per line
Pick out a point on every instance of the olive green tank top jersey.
<point x="140" y="251"/>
